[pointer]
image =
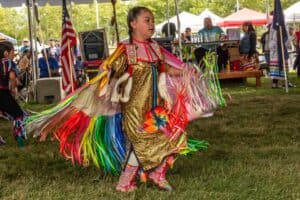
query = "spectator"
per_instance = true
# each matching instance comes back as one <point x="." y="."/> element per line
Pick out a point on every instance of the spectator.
<point x="45" y="61"/>
<point x="291" y="46"/>
<point x="54" y="50"/>
<point x="25" y="45"/>
<point x="211" y="33"/>
<point x="265" y="44"/>
<point x="187" y="36"/>
<point x="249" y="57"/>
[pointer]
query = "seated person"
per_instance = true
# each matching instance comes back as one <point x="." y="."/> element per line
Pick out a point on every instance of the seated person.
<point x="249" y="57"/>
<point x="46" y="61"/>
<point x="187" y="36"/>
<point x="211" y="33"/>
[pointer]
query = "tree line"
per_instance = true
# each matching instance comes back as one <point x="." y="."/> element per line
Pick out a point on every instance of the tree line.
<point x="14" y="22"/>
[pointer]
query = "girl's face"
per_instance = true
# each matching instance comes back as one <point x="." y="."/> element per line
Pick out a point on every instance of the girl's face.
<point x="143" y="27"/>
<point x="9" y="55"/>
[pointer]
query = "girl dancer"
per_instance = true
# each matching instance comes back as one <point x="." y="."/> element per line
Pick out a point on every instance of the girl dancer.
<point x="8" y="83"/>
<point x="142" y="90"/>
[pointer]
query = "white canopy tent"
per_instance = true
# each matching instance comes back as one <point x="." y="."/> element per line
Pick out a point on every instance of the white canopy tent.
<point x="186" y="20"/>
<point x="190" y="20"/>
<point x="207" y="13"/>
<point x="18" y="3"/>
<point x="6" y="37"/>
<point x="292" y="13"/>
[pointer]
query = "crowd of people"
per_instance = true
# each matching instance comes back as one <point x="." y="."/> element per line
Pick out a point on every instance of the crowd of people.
<point x="16" y="74"/>
<point x="212" y="37"/>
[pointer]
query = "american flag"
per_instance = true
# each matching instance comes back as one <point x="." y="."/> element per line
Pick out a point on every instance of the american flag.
<point x="68" y="36"/>
<point x="278" y="21"/>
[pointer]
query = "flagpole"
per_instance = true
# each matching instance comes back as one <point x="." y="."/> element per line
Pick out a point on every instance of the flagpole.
<point x="70" y="65"/>
<point x="283" y="60"/>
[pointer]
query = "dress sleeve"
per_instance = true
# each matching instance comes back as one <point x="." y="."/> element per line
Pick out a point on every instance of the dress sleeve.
<point x="119" y="66"/>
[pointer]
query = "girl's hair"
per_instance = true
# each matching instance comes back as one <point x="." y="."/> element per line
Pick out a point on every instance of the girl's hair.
<point x="250" y="26"/>
<point x="5" y="46"/>
<point x="133" y="14"/>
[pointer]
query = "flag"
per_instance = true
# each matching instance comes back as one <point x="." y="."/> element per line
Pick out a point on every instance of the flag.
<point x="68" y="40"/>
<point x="277" y="40"/>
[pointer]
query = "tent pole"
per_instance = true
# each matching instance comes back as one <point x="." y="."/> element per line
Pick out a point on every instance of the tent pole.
<point x="178" y="29"/>
<point x="168" y="16"/>
<point x="33" y="58"/>
<point x="267" y="11"/>
<point x="97" y="13"/>
<point x="283" y="60"/>
<point x="34" y="22"/>
<point x="35" y="54"/>
<point x="237" y="5"/>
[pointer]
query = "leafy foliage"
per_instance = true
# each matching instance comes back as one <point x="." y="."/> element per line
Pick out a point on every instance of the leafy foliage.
<point x="14" y="22"/>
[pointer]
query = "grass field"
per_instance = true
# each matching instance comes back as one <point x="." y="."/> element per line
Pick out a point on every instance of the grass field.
<point x="254" y="153"/>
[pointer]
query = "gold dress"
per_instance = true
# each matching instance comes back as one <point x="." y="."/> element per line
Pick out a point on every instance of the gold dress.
<point x="90" y="124"/>
<point x="150" y="149"/>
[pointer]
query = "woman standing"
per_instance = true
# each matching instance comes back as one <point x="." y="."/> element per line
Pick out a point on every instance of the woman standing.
<point x="249" y="58"/>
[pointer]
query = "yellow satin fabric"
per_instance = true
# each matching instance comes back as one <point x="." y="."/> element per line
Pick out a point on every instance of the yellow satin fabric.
<point x="150" y="149"/>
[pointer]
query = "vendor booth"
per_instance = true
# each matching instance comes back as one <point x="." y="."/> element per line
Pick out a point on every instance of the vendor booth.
<point x="292" y="13"/>
<point x="241" y="16"/>
<point x="187" y="20"/>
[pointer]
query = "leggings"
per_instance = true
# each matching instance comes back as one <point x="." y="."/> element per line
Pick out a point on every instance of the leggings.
<point x="10" y="107"/>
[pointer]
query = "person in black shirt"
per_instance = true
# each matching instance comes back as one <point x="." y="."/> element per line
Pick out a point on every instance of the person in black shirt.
<point x="8" y="82"/>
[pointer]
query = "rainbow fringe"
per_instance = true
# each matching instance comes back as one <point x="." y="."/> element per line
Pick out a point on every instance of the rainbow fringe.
<point x="211" y="74"/>
<point x="99" y="139"/>
<point x="85" y="138"/>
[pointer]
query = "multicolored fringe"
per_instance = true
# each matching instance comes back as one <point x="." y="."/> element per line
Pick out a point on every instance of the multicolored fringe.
<point x="276" y="72"/>
<point x="19" y="130"/>
<point x="99" y="138"/>
<point x="210" y="73"/>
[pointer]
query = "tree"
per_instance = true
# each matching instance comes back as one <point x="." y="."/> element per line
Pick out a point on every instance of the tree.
<point x="15" y="28"/>
<point x="84" y="16"/>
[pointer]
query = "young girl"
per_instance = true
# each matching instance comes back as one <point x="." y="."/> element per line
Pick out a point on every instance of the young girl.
<point x="8" y="83"/>
<point x="142" y="90"/>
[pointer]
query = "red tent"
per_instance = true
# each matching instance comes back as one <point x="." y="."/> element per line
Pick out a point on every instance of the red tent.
<point x="241" y="16"/>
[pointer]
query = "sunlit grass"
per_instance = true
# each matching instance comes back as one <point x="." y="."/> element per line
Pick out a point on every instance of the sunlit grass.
<point x="254" y="154"/>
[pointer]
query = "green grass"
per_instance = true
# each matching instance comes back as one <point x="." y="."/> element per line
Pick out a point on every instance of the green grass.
<point x="254" y="154"/>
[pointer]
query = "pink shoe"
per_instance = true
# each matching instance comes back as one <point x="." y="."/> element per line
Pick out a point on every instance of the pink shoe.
<point x="127" y="179"/>
<point x="158" y="176"/>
